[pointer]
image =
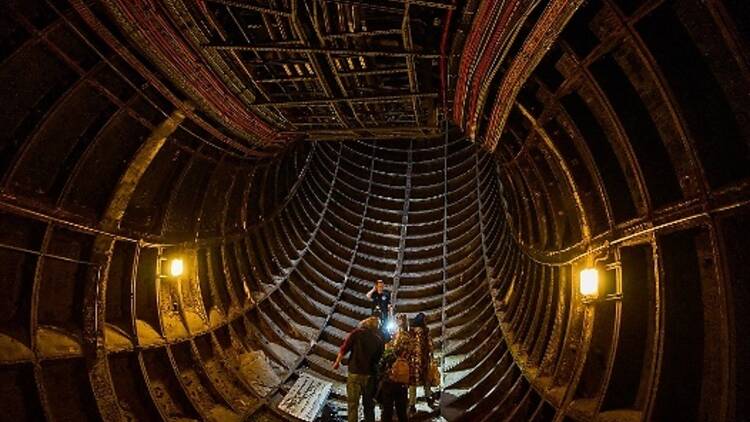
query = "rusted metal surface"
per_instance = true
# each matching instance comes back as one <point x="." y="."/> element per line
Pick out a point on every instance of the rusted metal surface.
<point x="111" y="40"/>
<point x="639" y="66"/>
<point x="501" y="20"/>
<point x="153" y="32"/>
<point x="322" y="56"/>
<point x="554" y="18"/>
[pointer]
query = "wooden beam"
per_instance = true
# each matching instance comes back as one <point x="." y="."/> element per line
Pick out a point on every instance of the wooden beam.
<point x="323" y="50"/>
<point x="380" y="4"/>
<point x="289" y="79"/>
<point x="375" y="129"/>
<point x="363" y="34"/>
<point x="379" y="136"/>
<point x="259" y="9"/>
<point x="144" y="156"/>
<point x="326" y="101"/>
<point x="374" y="72"/>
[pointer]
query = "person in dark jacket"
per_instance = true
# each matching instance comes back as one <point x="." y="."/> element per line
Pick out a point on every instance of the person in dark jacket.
<point x="380" y="299"/>
<point x="365" y="346"/>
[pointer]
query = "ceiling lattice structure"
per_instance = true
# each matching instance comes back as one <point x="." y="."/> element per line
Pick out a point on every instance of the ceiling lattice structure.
<point x="315" y="70"/>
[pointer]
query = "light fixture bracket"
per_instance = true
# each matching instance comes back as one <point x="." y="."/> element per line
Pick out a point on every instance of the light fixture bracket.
<point x="612" y="297"/>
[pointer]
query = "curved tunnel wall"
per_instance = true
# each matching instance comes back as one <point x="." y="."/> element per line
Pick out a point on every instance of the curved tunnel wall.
<point x="627" y="147"/>
<point x="611" y="152"/>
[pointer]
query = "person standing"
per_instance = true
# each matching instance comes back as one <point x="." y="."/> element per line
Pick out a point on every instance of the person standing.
<point x="393" y="393"/>
<point x="381" y="303"/>
<point x="420" y="361"/>
<point x="366" y="347"/>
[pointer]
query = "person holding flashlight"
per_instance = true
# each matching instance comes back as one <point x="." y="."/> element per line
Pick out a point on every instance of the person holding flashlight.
<point x="381" y="306"/>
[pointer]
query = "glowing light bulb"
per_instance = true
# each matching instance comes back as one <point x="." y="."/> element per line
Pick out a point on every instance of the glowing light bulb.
<point x="589" y="283"/>
<point x="390" y="325"/>
<point x="176" y="267"/>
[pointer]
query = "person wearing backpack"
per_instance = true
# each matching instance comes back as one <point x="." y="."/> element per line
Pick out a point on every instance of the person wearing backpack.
<point x="395" y="373"/>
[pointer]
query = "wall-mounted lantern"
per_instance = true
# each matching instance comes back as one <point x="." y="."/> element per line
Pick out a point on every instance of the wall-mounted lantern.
<point x="589" y="280"/>
<point x="589" y="283"/>
<point x="173" y="264"/>
<point x="176" y="267"/>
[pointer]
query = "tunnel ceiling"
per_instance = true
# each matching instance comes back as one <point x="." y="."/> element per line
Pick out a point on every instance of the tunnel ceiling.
<point x="281" y="71"/>
<point x="474" y="155"/>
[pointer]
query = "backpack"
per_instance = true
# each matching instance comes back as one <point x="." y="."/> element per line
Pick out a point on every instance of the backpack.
<point x="399" y="371"/>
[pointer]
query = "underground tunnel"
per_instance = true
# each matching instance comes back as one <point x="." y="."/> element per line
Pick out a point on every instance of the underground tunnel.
<point x="196" y="197"/>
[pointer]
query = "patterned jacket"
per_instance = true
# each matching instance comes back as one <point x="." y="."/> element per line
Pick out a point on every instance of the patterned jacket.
<point x="421" y="355"/>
